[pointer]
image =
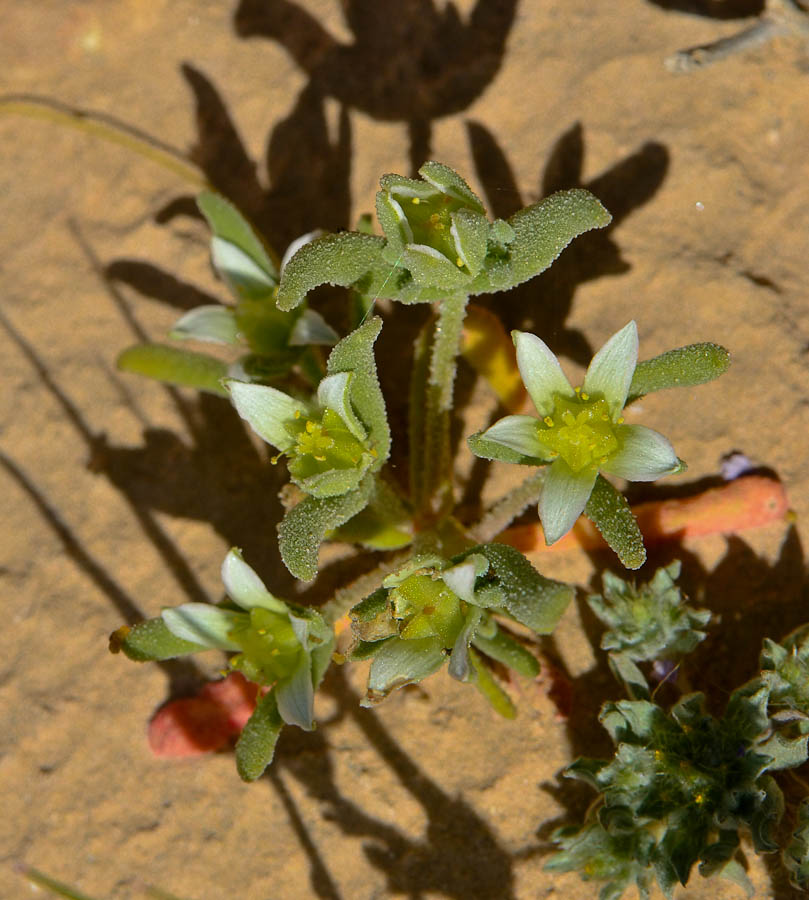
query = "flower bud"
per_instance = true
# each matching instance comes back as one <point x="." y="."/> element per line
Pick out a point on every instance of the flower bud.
<point x="435" y="227"/>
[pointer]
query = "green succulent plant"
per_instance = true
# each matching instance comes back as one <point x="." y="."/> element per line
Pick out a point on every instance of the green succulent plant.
<point x="680" y="789"/>
<point x="647" y="623"/>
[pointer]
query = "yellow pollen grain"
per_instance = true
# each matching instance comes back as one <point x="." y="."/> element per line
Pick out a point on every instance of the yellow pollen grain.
<point x="620" y="420"/>
<point x="274" y="459"/>
<point x="548" y="421"/>
<point x="274" y="652"/>
<point x="310" y="427"/>
<point x="262" y="631"/>
<point x="297" y="414"/>
<point x="459" y="262"/>
<point x="605" y="417"/>
<point x="585" y="396"/>
<point x="576" y="390"/>
<point x="320" y="458"/>
<point x="658" y="755"/>
<point x="435" y="219"/>
<point x="415" y="201"/>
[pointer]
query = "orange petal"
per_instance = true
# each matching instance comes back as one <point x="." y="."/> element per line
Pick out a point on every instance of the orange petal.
<point x="747" y="502"/>
<point x="206" y="722"/>
<point x="490" y="351"/>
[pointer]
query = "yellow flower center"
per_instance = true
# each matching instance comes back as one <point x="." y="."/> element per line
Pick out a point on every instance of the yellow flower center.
<point x="580" y="430"/>
<point x="313" y="441"/>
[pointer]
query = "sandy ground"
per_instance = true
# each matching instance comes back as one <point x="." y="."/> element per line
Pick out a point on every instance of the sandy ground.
<point x="120" y="497"/>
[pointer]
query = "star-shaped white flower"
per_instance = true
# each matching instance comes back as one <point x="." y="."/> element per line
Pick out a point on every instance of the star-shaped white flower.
<point x="580" y="432"/>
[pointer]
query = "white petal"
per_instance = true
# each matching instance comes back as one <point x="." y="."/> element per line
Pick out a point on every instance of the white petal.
<point x="203" y="624"/>
<point x="239" y="270"/>
<point x="266" y="410"/>
<point x="212" y="322"/>
<point x="563" y="498"/>
<point x="460" y="579"/>
<point x="244" y="587"/>
<point x="517" y="433"/>
<point x="401" y="218"/>
<point x="644" y="455"/>
<point x="611" y="369"/>
<point x="459" y="658"/>
<point x="312" y="328"/>
<point x="540" y="371"/>
<point x="333" y="393"/>
<point x="296" y="696"/>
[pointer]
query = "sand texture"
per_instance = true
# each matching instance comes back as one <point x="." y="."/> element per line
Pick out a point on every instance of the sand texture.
<point x="120" y="496"/>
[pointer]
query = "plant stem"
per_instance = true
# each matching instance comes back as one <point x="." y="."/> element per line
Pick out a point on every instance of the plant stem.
<point x="348" y="596"/>
<point x="107" y="128"/>
<point x="508" y="507"/>
<point x="431" y="402"/>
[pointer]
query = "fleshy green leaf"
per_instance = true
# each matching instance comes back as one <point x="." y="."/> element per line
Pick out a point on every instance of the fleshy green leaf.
<point x="213" y="322"/>
<point x="530" y="598"/>
<point x="543" y="230"/>
<point x="355" y="354"/>
<point x="610" y="513"/>
<point x="448" y="181"/>
<point x="339" y="259"/>
<point x="683" y="367"/>
<point x="507" y="651"/>
<point x="331" y="483"/>
<point x="304" y="527"/>
<point x="401" y="662"/>
<point x="385" y="524"/>
<point x="484" y="681"/>
<point x="175" y="366"/>
<point x="256" y="746"/>
<point x="151" y="640"/>
<point x="227" y="223"/>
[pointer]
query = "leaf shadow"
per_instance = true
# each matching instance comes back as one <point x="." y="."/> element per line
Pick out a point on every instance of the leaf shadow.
<point x="307" y="173"/>
<point x="714" y="9"/>
<point x="544" y="304"/>
<point x="426" y="62"/>
<point x="458" y="856"/>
